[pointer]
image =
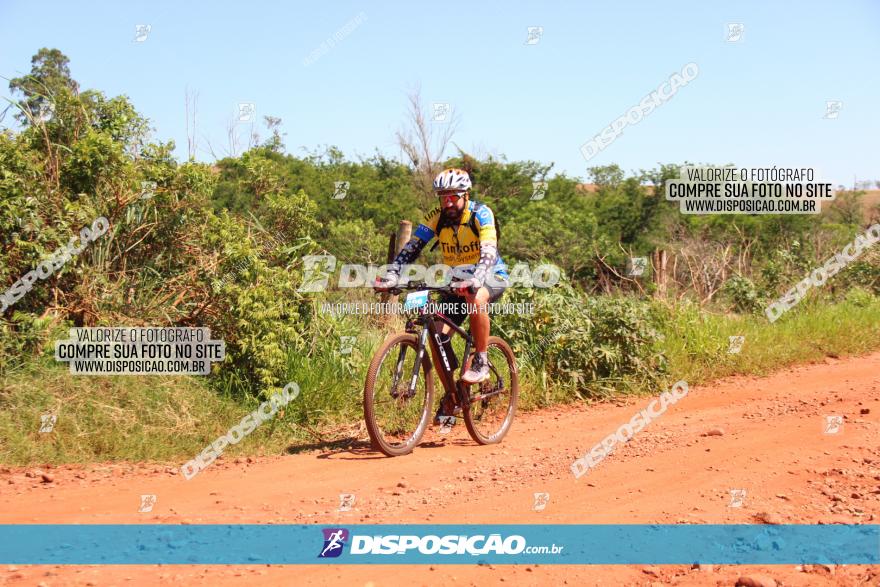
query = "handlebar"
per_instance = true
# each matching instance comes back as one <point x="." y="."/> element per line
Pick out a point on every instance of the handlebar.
<point x="421" y="286"/>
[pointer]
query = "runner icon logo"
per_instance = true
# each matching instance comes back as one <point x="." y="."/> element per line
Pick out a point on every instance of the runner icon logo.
<point x="833" y="424"/>
<point x="737" y="496"/>
<point x="334" y="542"/>
<point x="736" y="344"/>
<point x="147" y="503"/>
<point x="47" y="422"/>
<point x="346" y="501"/>
<point x="340" y="189"/>
<point x="446" y="424"/>
<point x="541" y="500"/>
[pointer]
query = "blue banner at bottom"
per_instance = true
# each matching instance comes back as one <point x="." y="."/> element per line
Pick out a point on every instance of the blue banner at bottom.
<point x="661" y="544"/>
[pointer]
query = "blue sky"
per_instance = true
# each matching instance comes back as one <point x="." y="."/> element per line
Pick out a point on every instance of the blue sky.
<point x="756" y="102"/>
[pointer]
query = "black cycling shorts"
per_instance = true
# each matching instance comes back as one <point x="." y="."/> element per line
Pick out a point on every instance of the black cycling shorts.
<point x="456" y="309"/>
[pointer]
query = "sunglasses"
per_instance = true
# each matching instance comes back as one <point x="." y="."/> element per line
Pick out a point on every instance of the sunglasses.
<point x="454" y="196"/>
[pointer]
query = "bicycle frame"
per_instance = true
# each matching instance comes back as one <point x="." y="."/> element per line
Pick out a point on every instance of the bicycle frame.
<point x="430" y="332"/>
<point x="430" y="326"/>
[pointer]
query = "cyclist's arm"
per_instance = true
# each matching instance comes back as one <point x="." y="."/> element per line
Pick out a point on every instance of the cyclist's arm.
<point x="488" y="245"/>
<point x="410" y="252"/>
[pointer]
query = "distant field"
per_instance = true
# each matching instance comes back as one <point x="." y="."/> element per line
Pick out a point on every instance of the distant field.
<point x="872" y="202"/>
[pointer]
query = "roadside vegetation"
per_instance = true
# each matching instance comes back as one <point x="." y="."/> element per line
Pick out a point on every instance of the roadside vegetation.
<point x="221" y="246"/>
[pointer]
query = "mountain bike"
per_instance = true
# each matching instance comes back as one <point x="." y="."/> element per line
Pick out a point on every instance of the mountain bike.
<point x="399" y="389"/>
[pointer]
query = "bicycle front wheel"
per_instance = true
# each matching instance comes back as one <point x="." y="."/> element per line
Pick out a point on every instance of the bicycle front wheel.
<point x="492" y="403"/>
<point x="396" y="417"/>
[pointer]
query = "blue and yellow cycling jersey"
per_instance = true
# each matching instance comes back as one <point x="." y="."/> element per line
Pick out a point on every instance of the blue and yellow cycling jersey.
<point x="460" y="244"/>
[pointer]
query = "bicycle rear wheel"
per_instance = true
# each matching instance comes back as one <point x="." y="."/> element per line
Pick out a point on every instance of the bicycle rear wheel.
<point x="491" y="404"/>
<point x="396" y="419"/>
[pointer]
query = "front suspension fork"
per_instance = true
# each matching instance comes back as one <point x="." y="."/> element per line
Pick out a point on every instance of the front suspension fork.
<point x="420" y="355"/>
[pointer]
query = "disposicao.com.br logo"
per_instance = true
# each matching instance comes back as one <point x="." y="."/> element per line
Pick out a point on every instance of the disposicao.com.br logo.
<point x="318" y="271"/>
<point x="455" y="544"/>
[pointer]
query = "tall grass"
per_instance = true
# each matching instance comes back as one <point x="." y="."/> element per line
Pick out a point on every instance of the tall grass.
<point x="696" y="343"/>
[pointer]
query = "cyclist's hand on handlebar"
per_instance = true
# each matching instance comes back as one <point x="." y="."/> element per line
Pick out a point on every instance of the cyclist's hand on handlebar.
<point x="384" y="284"/>
<point x="462" y="288"/>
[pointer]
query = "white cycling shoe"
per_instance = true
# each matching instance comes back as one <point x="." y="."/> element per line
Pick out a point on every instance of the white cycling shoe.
<point x="477" y="372"/>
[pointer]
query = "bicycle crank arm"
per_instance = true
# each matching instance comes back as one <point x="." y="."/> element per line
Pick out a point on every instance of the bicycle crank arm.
<point x="482" y="396"/>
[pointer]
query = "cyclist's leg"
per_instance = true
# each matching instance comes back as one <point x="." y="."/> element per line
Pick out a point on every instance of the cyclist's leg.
<point x="497" y="289"/>
<point x="480" y="328"/>
<point x="478" y="309"/>
<point x="479" y="314"/>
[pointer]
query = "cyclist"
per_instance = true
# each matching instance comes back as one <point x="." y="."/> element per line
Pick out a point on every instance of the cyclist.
<point x="466" y="232"/>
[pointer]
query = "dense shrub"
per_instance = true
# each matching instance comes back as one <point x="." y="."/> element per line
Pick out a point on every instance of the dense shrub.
<point x="584" y="343"/>
<point x="742" y="294"/>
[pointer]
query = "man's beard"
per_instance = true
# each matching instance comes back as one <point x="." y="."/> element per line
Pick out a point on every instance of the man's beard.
<point x="452" y="213"/>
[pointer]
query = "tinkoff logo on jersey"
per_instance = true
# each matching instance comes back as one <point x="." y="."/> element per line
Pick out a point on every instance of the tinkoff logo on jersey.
<point x="458" y="249"/>
<point x="334" y="542"/>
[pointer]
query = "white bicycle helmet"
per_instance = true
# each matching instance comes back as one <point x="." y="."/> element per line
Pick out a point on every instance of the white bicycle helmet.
<point x="452" y="179"/>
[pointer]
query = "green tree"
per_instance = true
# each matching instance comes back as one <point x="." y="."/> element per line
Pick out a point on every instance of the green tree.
<point x="49" y="77"/>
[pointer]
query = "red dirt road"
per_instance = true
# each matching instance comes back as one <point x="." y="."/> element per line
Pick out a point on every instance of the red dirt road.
<point x="772" y="445"/>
